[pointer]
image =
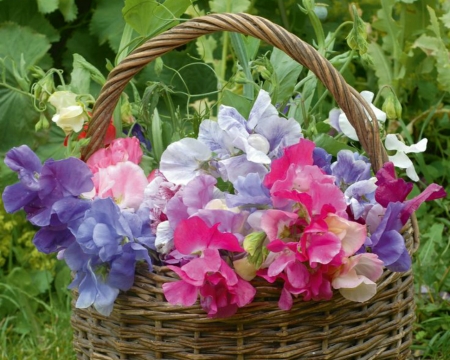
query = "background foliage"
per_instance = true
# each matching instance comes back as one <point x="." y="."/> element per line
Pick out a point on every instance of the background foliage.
<point x="398" y="49"/>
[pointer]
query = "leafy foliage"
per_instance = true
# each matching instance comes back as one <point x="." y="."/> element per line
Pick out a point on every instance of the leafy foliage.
<point x="407" y="44"/>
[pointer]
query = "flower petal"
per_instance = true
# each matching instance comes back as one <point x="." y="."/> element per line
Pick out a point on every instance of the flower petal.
<point x="180" y="293"/>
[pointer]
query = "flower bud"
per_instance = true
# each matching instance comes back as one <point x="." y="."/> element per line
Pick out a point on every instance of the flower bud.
<point x="392" y="107"/>
<point x="126" y="113"/>
<point x="159" y="65"/>
<point x="321" y="11"/>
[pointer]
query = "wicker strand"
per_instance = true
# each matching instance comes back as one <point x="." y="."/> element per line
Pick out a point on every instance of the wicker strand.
<point x="346" y="97"/>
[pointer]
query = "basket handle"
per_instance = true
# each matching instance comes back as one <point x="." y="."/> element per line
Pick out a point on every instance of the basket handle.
<point x="348" y="99"/>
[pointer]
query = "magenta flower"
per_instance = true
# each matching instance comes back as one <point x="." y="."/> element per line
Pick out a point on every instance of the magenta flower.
<point x="390" y="189"/>
<point x="221" y="291"/>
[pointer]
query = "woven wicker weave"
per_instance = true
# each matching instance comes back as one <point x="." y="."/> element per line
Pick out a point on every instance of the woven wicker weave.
<point x="144" y="326"/>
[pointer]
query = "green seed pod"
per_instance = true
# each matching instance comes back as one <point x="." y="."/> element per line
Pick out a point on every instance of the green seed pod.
<point x="159" y="65"/>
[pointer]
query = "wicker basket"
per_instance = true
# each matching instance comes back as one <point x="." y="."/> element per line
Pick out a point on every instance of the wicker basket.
<point x="144" y="326"/>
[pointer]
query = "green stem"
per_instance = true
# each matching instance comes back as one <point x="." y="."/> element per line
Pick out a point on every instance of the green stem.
<point x="387" y="10"/>
<point x="341" y="70"/>
<point x="223" y="67"/>
<point x="284" y="18"/>
<point x="124" y="43"/>
<point x="15" y="89"/>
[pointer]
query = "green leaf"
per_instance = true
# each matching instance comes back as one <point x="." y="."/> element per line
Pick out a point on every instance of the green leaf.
<point x="446" y="20"/>
<point x="42" y="280"/>
<point x="82" y="74"/>
<point x="233" y="6"/>
<point x="381" y="65"/>
<point x="205" y="47"/>
<point x="27" y="14"/>
<point x="239" y="102"/>
<point x="284" y="77"/>
<point x="434" y="46"/>
<point x="69" y="9"/>
<point x="331" y="145"/>
<point x="17" y="114"/>
<point x="428" y="251"/>
<point x="150" y="17"/>
<point x="47" y="6"/>
<point x="240" y="49"/>
<point x="108" y="23"/>
<point x="83" y="43"/>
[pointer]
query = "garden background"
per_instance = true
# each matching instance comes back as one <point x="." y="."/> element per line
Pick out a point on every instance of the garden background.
<point x="398" y="49"/>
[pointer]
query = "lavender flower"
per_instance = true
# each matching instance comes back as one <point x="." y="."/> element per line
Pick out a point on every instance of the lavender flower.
<point x="350" y="168"/>
<point x="386" y="240"/>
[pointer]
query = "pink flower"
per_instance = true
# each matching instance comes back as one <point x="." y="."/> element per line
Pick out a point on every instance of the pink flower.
<point x="356" y="278"/>
<point x="120" y="150"/>
<point x="124" y="182"/>
<point x="298" y="154"/>
<point x="221" y="291"/>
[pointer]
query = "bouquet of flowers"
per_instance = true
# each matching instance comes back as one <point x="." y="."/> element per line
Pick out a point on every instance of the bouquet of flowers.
<point x="248" y="198"/>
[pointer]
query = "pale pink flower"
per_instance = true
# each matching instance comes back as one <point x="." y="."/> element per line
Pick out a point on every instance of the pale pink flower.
<point x="124" y="182"/>
<point x="356" y="279"/>
<point x="120" y="150"/>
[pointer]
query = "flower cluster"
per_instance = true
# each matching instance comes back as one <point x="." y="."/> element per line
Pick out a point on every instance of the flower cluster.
<point x="247" y="198"/>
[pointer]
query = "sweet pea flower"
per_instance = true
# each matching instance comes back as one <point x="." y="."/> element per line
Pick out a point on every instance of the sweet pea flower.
<point x="70" y="115"/>
<point x="340" y="122"/>
<point x="183" y="160"/>
<point x="356" y="279"/>
<point x="400" y="159"/>
<point x="221" y="291"/>
<point x="50" y="195"/>
<point x="108" y="245"/>
<point x="124" y="182"/>
<point x="119" y="150"/>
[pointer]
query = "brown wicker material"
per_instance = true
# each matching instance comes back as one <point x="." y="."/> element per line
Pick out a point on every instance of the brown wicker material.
<point x="144" y="326"/>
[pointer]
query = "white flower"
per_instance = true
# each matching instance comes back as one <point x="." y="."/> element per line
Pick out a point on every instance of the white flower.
<point x="345" y="125"/>
<point x="400" y="159"/>
<point x="70" y="116"/>
<point x="164" y="238"/>
<point x="183" y="160"/>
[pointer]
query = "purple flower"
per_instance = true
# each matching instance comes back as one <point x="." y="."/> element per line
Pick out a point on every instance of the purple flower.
<point x="350" y="168"/>
<point x="360" y="195"/>
<point x="386" y="240"/>
<point x="103" y="230"/>
<point x="49" y="195"/>
<point x="136" y="130"/>
<point x="322" y="159"/>
<point x="250" y="192"/>
<point x="109" y="243"/>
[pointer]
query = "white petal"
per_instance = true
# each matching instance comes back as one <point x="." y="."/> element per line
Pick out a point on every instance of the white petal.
<point x="411" y="172"/>
<point x="182" y="160"/>
<point x="401" y="160"/>
<point x="164" y="238"/>
<point x="61" y="99"/>
<point x="261" y="108"/>
<point x="393" y="143"/>
<point x="347" y="128"/>
<point x="366" y="290"/>
<point x="421" y="146"/>
<point x="368" y="96"/>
